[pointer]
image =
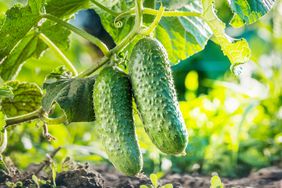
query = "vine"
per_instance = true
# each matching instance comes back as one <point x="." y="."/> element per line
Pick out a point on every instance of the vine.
<point x="37" y="114"/>
<point x="155" y="23"/>
<point x="60" y="54"/>
<point x="80" y="32"/>
<point x="138" y="11"/>
<point x="130" y="37"/>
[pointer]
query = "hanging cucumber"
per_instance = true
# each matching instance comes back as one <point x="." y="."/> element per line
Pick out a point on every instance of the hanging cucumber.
<point x="155" y="96"/>
<point x="113" y="107"/>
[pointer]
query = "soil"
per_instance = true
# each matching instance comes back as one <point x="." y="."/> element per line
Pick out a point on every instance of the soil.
<point x="270" y="177"/>
<point x="76" y="175"/>
<point x="87" y="176"/>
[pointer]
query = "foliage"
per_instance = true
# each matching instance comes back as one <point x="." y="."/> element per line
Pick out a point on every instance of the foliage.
<point x="216" y="182"/>
<point x="155" y="184"/>
<point x="234" y="125"/>
<point x="68" y="93"/>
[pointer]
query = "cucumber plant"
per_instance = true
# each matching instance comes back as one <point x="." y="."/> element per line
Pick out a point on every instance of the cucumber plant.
<point x="182" y="28"/>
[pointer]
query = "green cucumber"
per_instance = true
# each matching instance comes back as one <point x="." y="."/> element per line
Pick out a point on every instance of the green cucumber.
<point x="112" y="99"/>
<point x="155" y="96"/>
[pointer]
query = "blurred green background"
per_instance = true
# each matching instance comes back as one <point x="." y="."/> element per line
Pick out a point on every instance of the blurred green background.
<point x="234" y="121"/>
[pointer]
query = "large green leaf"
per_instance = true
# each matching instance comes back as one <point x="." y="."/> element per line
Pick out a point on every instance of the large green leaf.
<point x="21" y="45"/>
<point x="26" y="98"/>
<point x="36" y="6"/>
<point x="249" y="11"/>
<point x="15" y="25"/>
<point x="180" y="4"/>
<point x="6" y="91"/>
<point x="58" y="34"/>
<point x="183" y="36"/>
<point x="237" y="51"/>
<point x="65" y="8"/>
<point x="74" y="96"/>
<point x="117" y="33"/>
<point x="23" y="51"/>
<point x="30" y="46"/>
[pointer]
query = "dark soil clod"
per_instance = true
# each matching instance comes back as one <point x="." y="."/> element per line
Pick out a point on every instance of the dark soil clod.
<point x="80" y="178"/>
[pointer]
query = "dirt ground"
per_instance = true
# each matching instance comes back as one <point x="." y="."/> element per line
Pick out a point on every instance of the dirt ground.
<point x="265" y="178"/>
<point x="87" y="176"/>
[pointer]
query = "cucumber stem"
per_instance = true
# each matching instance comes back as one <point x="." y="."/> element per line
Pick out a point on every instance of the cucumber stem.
<point x="59" y="53"/>
<point x="23" y="118"/>
<point x="155" y="23"/>
<point x="80" y="32"/>
<point x="130" y="37"/>
<point x="135" y="30"/>
<point x="154" y="12"/>
<point x="171" y="13"/>
<point x="37" y="114"/>
<point x="113" y="13"/>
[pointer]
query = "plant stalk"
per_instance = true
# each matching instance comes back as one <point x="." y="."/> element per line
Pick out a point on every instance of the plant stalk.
<point x="37" y="114"/>
<point x="80" y="32"/>
<point x="59" y="53"/>
<point x="155" y="23"/>
<point x="23" y="118"/>
<point x="154" y="12"/>
<point x="104" y="8"/>
<point x="135" y="30"/>
<point x="171" y="13"/>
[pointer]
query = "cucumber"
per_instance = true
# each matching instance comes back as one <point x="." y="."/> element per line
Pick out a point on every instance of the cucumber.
<point x="155" y="96"/>
<point x="112" y="99"/>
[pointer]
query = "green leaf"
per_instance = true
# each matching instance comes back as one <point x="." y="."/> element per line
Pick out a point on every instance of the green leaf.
<point x="35" y="179"/>
<point x="154" y="180"/>
<point x="2" y="120"/>
<point x="236" y="21"/>
<point x="74" y="96"/>
<point x="54" y="172"/>
<point x="3" y="139"/>
<point x="30" y="46"/>
<point x="36" y="6"/>
<point x="24" y="50"/>
<point x="17" y="46"/>
<point x="249" y="11"/>
<point x="66" y="8"/>
<point x="17" y="22"/>
<point x="27" y="98"/>
<point x="58" y="34"/>
<point x="6" y="91"/>
<point x="216" y="182"/>
<point x="144" y="186"/>
<point x="117" y="33"/>
<point x="179" y="4"/>
<point x="167" y="186"/>
<point x="237" y="51"/>
<point x="254" y="158"/>
<point x="183" y="36"/>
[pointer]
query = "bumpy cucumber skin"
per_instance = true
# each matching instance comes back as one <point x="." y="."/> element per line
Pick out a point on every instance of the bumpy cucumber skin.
<point x="112" y="97"/>
<point x="155" y="96"/>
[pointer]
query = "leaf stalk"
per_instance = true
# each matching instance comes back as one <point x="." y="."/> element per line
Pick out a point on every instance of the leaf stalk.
<point x="103" y="47"/>
<point x="130" y="37"/>
<point x="59" y="53"/>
